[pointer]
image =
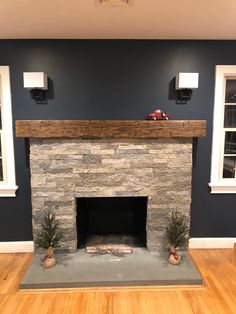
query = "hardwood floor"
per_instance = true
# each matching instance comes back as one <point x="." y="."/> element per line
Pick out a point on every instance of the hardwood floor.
<point x="218" y="295"/>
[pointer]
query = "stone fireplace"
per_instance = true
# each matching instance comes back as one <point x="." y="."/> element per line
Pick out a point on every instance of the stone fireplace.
<point x="67" y="168"/>
<point x="64" y="170"/>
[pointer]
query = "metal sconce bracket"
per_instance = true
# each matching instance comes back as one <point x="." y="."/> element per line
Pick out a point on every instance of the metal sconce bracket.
<point x="184" y="94"/>
<point x="39" y="95"/>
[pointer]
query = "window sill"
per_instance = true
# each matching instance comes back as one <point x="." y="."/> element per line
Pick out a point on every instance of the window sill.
<point x="223" y="187"/>
<point x="8" y="190"/>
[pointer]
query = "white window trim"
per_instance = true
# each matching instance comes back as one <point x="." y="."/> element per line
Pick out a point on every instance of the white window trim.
<point x="219" y="184"/>
<point x="8" y="186"/>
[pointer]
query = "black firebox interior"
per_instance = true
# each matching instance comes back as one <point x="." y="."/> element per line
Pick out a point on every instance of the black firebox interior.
<point x="103" y="216"/>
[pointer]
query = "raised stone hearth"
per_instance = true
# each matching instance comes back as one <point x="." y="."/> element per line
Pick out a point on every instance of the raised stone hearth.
<point x="65" y="169"/>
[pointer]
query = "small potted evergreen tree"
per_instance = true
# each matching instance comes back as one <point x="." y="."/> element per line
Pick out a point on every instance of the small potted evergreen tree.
<point x="48" y="238"/>
<point x="177" y="235"/>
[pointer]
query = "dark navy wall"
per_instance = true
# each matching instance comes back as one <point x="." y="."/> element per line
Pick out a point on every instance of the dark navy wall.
<point x="124" y="79"/>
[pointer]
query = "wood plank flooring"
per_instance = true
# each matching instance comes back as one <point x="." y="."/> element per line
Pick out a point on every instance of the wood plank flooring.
<point x="218" y="295"/>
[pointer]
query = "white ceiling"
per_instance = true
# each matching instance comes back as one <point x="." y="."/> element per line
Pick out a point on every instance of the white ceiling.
<point x="145" y="19"/>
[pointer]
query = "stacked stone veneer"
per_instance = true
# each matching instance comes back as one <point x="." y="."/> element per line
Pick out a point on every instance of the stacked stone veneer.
<point x="64" y="169"/>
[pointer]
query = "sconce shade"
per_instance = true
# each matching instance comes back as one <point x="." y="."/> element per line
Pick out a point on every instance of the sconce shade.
<point x="186" y="80"/>
<point x="33" y="80"/>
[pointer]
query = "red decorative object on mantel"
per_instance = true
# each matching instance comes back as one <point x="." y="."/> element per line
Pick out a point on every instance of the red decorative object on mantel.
<point x="158" y="115"/>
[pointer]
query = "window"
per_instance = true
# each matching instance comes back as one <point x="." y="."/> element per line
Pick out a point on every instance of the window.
<point x="7" y="163"/>
<point x="223" y="161"/>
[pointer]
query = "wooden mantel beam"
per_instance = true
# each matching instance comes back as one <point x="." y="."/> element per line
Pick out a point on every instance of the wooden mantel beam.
<point x="91" y="129"/>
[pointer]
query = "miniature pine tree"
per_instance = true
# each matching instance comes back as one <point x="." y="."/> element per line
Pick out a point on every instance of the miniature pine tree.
<point x="49" y="236"/>
<point x="177" y="230"/>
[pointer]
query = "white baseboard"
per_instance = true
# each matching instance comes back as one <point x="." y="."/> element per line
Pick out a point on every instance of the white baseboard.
<point x="194" y="243"/>
<point x="17" y="247"/>
<point x="211" y="243"/>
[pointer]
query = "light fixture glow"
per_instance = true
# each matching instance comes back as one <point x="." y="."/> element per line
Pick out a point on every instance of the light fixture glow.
<point x="37" y="84"/>
<point x="184" y="84"/>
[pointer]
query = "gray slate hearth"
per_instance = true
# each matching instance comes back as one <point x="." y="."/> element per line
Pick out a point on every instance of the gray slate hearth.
<point x="64" y="169"/>
<point x="141" y="268"/>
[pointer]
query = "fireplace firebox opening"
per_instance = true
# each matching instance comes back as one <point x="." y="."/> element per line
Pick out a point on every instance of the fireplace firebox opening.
<point x="111" y="220"/>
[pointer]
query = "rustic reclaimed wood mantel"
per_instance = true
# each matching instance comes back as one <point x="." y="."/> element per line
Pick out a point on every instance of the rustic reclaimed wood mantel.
<point x="91" y="129"/>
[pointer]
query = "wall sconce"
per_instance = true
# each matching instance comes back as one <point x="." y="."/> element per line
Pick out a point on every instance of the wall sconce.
<point x="37" y="83"/>
<point x="184" y="84"/>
